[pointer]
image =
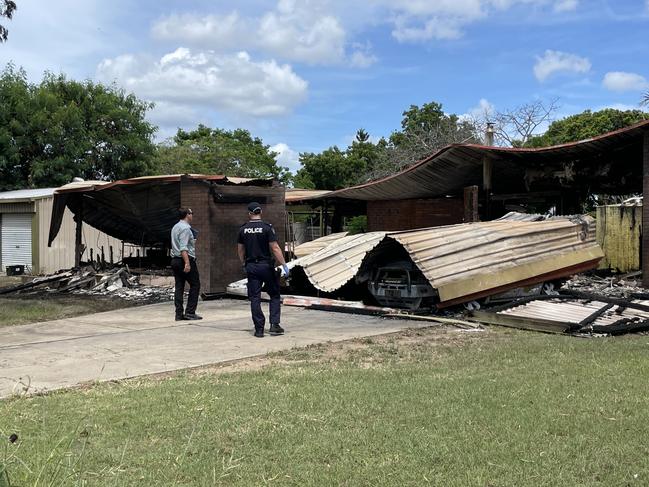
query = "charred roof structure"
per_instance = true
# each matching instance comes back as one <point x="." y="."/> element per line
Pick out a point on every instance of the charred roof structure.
<point x="467" y="183"/>
<point x="143" y="211"/>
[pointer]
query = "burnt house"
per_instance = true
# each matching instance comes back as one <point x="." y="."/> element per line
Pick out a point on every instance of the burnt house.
<point x="143" y="210"/>
<point x="470" y="182"/>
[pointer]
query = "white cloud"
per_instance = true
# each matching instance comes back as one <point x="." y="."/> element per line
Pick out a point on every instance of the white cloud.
<point x="566" y="5"/>
<point x="423" y="20"/>
<point x="362" y="56"/>
<point x="60" y="36"/>
<point x="286" y="156"/>
<point x="623" y="81"/>
<point x="293" y="31"/>
<point x="553" y="62"/>
<point x="483" y="110"/>
<point x="234" y="84"/>
<point x="216" y="31"/>
<point x="435" y="28"/>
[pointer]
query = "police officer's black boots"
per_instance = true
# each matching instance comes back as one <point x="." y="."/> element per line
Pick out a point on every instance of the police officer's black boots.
<point x="259" y="333"/>
<point x="276" y="330"/>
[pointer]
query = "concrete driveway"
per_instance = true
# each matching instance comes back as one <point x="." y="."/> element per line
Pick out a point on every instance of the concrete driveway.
<point x="146" y="340"/>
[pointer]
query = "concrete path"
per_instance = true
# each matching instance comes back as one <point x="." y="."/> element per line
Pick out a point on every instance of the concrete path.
<point x="137" y="341"/>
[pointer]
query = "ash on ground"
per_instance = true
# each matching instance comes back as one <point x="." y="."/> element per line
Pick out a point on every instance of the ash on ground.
<point x="612" y="285"/>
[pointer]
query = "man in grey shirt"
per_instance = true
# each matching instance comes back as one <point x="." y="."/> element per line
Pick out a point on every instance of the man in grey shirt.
<point x="183" y="264"/>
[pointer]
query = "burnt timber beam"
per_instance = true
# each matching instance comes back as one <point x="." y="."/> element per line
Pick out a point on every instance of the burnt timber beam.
<point x="78" y="249"/>
<point x="645" y="210"/>
<point x="471" y="204"/>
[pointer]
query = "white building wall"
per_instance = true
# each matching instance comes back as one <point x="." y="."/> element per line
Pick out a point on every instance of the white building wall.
<point x="61" y="254"/>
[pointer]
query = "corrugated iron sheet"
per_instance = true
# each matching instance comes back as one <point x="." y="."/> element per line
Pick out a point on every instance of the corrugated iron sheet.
<point x="467" y="261"/>
<point x="84" y="186"/>
<point x="25" y="194"/>
<point x="309" y="248"/>
<point x="570" y="314"/>
<point x="457" y="166"/>
<point x="470" y="259"/>
<point x="332" y="267"/>
<point x="295" y="195"/>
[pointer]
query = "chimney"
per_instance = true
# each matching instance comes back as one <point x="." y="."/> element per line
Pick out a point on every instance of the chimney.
<point x="489" y="134"/>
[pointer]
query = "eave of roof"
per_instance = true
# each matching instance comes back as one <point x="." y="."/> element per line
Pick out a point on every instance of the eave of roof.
<point x="168" y="178"/>
<point x="455" y="166"/>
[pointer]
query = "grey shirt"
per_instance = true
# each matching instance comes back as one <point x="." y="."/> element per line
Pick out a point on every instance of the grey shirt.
<point x="182" y="238"/>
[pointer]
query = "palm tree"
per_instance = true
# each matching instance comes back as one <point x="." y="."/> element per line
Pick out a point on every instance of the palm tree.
<point x="645" y="99"/>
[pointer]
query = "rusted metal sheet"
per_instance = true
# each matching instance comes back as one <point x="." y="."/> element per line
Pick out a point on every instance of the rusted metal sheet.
<point x="466" y="261"/>
<point x="456" y="166"/>
<point x="309" y="248"/>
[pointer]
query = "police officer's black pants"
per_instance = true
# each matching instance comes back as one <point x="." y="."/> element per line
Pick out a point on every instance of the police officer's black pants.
<point x="181" y="277"/>
<point x="262" y="274"/>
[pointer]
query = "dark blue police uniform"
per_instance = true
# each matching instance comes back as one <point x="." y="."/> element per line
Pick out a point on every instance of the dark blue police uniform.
<point x="256" y="236"/>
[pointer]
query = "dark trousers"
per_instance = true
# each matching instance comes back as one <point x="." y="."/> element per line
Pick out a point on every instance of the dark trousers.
<point x="262" y="274"/>
<point x="181" y="277"/>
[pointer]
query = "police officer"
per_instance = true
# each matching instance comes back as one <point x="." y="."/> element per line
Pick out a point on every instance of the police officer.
<point x="183" y="264"/>
<point x="257" y="245"/>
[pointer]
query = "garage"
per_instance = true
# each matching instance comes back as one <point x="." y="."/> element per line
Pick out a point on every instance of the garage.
<point x="25" y="217"/>
<point x="16" y="235"/>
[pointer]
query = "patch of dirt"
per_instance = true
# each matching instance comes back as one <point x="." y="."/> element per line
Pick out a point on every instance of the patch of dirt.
<point x="365" y="352"/>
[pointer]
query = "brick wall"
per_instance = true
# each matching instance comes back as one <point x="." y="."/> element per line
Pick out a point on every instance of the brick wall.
<point x="219" y="222"/>
<point x="645" y="211"/>
<point x="415" y="213"/>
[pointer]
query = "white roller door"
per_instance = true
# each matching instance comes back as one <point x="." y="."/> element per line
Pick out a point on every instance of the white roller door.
<point x="16" y="239"/>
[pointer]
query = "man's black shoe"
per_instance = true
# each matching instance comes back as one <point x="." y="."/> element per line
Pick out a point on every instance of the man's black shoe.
<point x="180" y="318"/>
<point x="276" y="330"/>
<point x="259" y="333"/>
<point x="192" y="316"/>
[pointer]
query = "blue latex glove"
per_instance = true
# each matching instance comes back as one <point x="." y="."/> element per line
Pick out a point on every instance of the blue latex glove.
<point x="285" y="271"/>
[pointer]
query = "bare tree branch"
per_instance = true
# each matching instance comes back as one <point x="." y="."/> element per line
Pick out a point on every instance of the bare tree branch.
<point x="516" y="126"/>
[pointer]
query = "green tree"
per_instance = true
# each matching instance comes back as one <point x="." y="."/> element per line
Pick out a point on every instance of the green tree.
<point x="205" y="150"/>
<point x="335" y="168"/>
<point x="586" y="125"/>
<point x="61" y="129"/>
<point x="330" y="169"/>
<point x="424" y="131"/>
<point x="7" y="8"/>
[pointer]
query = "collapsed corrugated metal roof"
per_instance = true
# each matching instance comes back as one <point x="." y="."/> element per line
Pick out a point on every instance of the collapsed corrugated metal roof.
<point x="309" y="248"/>
<point x="335" y="265"/>
<point x="569" y="314"/>
<point x="603" y="162"/>
<point x="138" y="210"/>
<point x="467" y="261"/>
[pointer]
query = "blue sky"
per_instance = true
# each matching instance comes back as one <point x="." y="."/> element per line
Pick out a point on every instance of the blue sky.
<point x="305" y="75"/>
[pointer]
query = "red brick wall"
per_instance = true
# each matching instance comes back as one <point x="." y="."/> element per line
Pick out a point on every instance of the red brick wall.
<point x="219" y="222"/>
<point x="417" y="213"/>
<point x="645" y="211"/>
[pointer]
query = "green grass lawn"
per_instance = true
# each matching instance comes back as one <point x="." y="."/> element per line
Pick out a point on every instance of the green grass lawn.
<point x="426" y="407"/>
<point x="19" y="311"/>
